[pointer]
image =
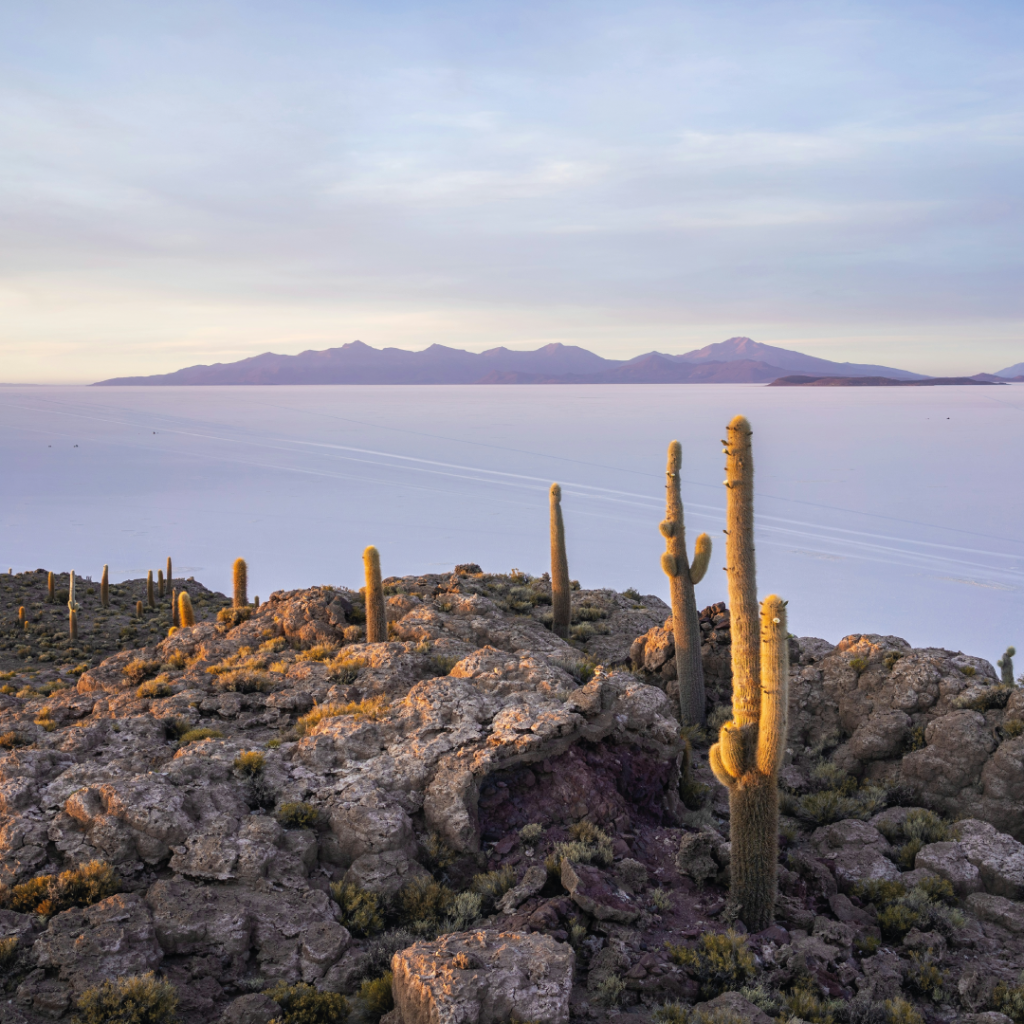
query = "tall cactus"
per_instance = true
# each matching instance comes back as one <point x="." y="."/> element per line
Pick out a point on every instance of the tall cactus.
<point x="105" y="588"/>
<point x="376" y="622"/>
<point x="186" y="614"/>
<point x="49" y="588"/>
<point x="241" y="581"/>
<point x="22" y="618"/>
<point x="73" y="607"/>
<point x="748" y="753"/>
<point x="168" y="573"/>
<point x="561" y="598"/>
<point x="150" y="597"/>
<point x="175" y="619"/>
<point x="682" y="577"/>
<point x="1006" y="666"/>
<point x="160" y="583"/>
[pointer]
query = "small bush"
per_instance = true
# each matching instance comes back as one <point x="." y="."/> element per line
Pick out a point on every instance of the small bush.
<point x="244" y="680"/>
<point x="609" y="991"/>
<point x="442" y="664"/>
<point x="381" y="949"/>
<point x="250" y="763"/>
<point x="720" y="963"/>
<point x="859" y="665"/>
<point x="231" y="617"/>
<point x="50" y="894"/>
<point x="806" y="1005"/>
<point x="155" y="689"/>
<point x="8" y="953"/>
<point x="915" y="740"/>
<point x="139" y="669"/>
<point x="925" y="976"/>
<point x="531" y="833"/>
<point x="462" y="911"/>
<point x="423" y="904"/>
<point x="672" y="1013"/>
<point x="899" y="1011"/>
<point x="10" y="740"/>
<point x="581" y="669"/>
<point x="633" y="594"/>
<point x="1009" y="1000"/>
<point x="994" y="696"/>
<point x="372" y="709"/>
<point x="295" y="814"/>
<point x="494" y="884"/>
<point x="631" y="874"/>
<point x="437" y="853"/>
<point x="891" y="658"/>
<point x="969" y="670"/>
<point x="302" y="1004"/>
<point x="321" y="652"/>
<point x="362" y="912"/>
<point x="44" y="721"/>
<point x="1012" y="728"/>
<point x="661" y="900"/>
<point x="582" y="633"/>
<point x="195" y="735"/>
<point x="138" y="999"/>
<point x="177" y="660"/>
<point x="377" y="997"/>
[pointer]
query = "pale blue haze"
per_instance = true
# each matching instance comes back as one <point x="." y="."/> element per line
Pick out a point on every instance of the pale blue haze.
<point x="892" y="510"/>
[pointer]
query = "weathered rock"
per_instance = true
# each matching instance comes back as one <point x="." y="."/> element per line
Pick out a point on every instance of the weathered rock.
<point x="734" y="1004"/>
<point x="529" y="885"/>
<point x="696" y="856"/>
<point x="592" y="891"/>
<point x="999" y="858"/>
<point x="997" y="910"/>
<point x="856" y="851"/>
<point x="255" y="1008"/>
<point x="949" y="860"/>
<point x="384" y="872"/>
<point x="485" y="977"/>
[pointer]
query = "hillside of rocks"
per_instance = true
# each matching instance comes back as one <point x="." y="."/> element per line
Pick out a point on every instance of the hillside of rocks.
<point x="513" y="825"/>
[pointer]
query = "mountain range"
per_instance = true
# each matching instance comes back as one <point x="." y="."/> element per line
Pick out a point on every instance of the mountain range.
<point x="735" y="361"/>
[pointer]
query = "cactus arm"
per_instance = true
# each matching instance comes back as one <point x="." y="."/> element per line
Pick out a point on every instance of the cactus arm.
<point x="715" y="760"/>
<point x="739" y="556"/>
<point x="771" y="734"/>
<point x="701" y="558"/>
<point x="732" y="750"/>
<point x="561" y="597"/>
<point x="376" y="621"/>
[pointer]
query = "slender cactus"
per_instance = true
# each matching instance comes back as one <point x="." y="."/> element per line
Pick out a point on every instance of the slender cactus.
<point x="138" y="609"/>
<point x="241" y="575"/>
<point x="168" y="573"/>
<point x="73" y="607"/>
<point x="22" y="618"/>
<point x="748" y="753"/>
<point x="150" y="597"/>
<point x="376" y="622"/>
<point x="105" y="588"/>
<point x="175" y="618"/>
<point x="160" y="583"/>
<point x="256" y="602"/>
<point x="682" y="577"/>
<point x="1006" y="666"/>
<point x="561" y="598"/>
<point x="186" y="615"/>
<point x="49" y="588"/>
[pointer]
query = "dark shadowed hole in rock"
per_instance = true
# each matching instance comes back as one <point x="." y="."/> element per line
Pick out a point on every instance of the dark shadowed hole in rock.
<point x="602" y="782"/>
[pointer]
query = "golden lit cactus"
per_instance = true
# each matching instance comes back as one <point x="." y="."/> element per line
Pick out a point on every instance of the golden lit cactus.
<point x="105" y="588"/>
<point x="561" y="589"/>
<point x="160" y="583"/>
<point x="175" y="620"/>
<point x="168" y="573"/>
<point x="376" y="621"/>
<point x="748" y="753"/>
<point x="241" y="580"/>
<point x="22" y="617"/>
<point x="186" y="615"/>
<point x="49" y="588"/>
<point x="150" y="596"/>
<point x="138" y="609"/>
<point x="682" y="575"/>
<point x="73" y="607"/>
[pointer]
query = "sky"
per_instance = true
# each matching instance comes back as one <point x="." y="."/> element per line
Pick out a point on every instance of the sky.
<point x="198" y="182"/>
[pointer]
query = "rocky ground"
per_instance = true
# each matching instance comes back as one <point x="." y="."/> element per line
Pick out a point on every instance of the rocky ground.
<point x="505" y="821"/>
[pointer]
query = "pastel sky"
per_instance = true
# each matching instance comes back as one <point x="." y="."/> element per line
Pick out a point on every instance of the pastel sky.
<point x="200" y="181"/>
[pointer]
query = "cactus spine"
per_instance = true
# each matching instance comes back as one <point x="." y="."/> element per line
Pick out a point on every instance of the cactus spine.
<point x="160" y="583"/>
<point x="747" y="755"/>
<point x="186" y="614"/>
<point x="241" y="578"/>
<point x="376" y="623"/>
<point x="150" y="597"/>
<point x="73" y="607"/>
<point x="682" y="576"/>
<point x="105" y="588"/>
<point x="561" y="600"/>
<point x="1006" y="666"/>
<point x="49" y="588"/>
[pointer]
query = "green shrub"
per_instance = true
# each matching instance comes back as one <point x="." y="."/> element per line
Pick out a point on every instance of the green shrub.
<point x="437" y="853"/>
<point x="423" y="904"/>
<point x="531" y="833"/>
<point x="195" y="735"/>
<point x="302" y="1004"/>
<point x="139" y="669"/>
<point x="345" y="668"/>
<point x="250" y="763"/>
<point x="10" y="740"/>
<point x="891" y="658"/>
<point x="1012" y="728"/>
<point x="609" y="990"/>
<point x="581" y="669"/>
<point x="925" y="977"/>
<point x="8" y="953"/>
<point x="919" y="828"/>
<point x="661" y="900"/>
<point x="376" y="997"/>
<point x="50" y="894"/>
<point x="672" y="1013"/>
<point x="138" y="999"/>
<point x="362" y="912"/>
<point x="372" y="709"/>
<point x="858" y="664"/>
<point x="1009" y="1000"/>
<point x="720" y="963"/>
<point x="155" y="689"/>
<point x="899" y="1011"/>
<point x="938" y="889"/>
<point x="294" y="814"/>
<point x="383" y="947"/>
<point x="633" y="594"/>
<point x="461" y="912"/>
<point x="442" y="664"/>
<point x="994" y="696"/>
<point x="806" y="1005"/>
<point x="231" y="617"/>
<point x="915" y="740"/>
<point x="320" y="652"/>
<point x="494" y="884"/>
<point x="631" y="874"/>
